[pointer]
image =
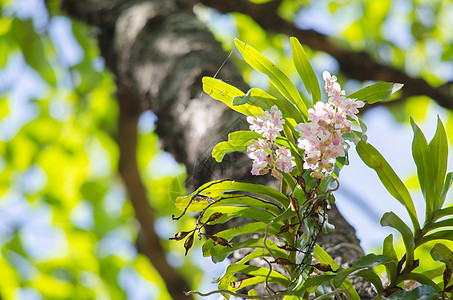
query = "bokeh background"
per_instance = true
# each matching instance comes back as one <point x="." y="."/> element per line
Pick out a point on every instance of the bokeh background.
<point x="67" y="228"/>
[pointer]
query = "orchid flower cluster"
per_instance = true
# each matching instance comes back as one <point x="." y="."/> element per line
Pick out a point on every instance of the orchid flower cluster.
<point x="321" y="139"/>
<point x="265" y="153"/>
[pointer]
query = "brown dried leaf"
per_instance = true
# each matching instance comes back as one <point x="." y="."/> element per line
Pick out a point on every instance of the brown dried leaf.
<point x="180" y="235"/>
<point x="214" y="216"/>
<point x="283" y="261"/>
<point x="220" y="240"/>
<point x="323" y="267"/>
<point x="188" y="243"/>
<point x="294" y="203"/>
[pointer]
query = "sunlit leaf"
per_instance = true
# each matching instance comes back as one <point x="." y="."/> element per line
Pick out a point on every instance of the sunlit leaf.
<point x="225" y="92"/>
<point x="324" y="257"/>
<point x="260" y="63"/>
<point x="377" y="92"/>
<point x="237" y="141"/>
<point x="305" y="70"/>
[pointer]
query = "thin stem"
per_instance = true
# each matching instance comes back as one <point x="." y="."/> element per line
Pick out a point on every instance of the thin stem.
<point x="278" y="294"/>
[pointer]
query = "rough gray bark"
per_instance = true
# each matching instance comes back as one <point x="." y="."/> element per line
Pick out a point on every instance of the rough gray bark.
<point x="159" y="51"/>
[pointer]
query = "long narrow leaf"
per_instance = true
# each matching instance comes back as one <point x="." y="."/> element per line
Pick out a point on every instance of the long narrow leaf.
<point x="425" y="165"/>
<point x="305" y="70"/>
<point x="443" y="212"/>
<point x="439" y="235"/>
<point x="370" y="260"/>
<point x="260" y="63"/>
<point x="377" y="92"/>
<point x="225" y="92"/>
<point x="447" y="185"/>
<point x="373" y="159"/>
<point x="389" y="251"/>
<point x="439" y="155"/>
<point x="237" y="141"/>
<point x="392" y="220"/>
<point x="324" y="257"/>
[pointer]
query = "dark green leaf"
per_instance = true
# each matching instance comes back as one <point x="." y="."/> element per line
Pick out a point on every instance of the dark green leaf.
<point x="33" y="49"/>
<point x="371" y="277"/>
<point x="422" y="158"/>
<point x="419" y="278"/>
<point x="312" y="283"/>
<point x="373" y="159"/>
<point x="377" y="92"/>
<point x="439" y="155"/>
<point x="446" y="187"/>
<point x="392" y="220"/>
<point x="370" y="260"/>
<point x="424" y="292"/>
<point x="389" y="251"/>
<point x="443" y="212"/>
<point x="438" y="235"/>
<point x="442" y="253"/>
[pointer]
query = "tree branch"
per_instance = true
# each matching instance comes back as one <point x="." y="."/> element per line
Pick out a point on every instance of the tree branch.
<point x="356" y="65"/>
<point x="150" y="244"/>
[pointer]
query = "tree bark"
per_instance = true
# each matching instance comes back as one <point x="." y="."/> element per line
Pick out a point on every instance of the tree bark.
<point x="159" y="51"/>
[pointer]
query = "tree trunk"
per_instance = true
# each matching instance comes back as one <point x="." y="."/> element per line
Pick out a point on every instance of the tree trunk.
<point x="159" y="51"/>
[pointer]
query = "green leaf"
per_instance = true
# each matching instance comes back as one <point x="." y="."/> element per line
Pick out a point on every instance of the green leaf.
<point x="260" y="63"/>
<point x="34" y="50"/>
<point x="373" y="159"/>
<point x="305" y="70"/>
<point x="439" y="155"/>
<point x="251" y="271"/>
<point x="392" y="220"/>
<point x="389" y="251"/>
<point x="225" y="92"/>
<point x="371" y="277"/>
<point x="324" y="257"/>
<point x="447" y="185"/>
<point x="213" y="190"/>
<point x="422" y="158"/>
<point x="237" y="141"/>
<point x="439" y="224"/>
<point x="423" y="292"/>
<point x="312" y="283"/>
<point x="438" y="235"/>
<point x="377" y="92"/>
<point x="229" y="212"/>
<point x="239" y="100"/>
<point x="443" y="212"/>
<point x="367" y="261"/>
<point x="442" y="253"/>
<point x="419" y="278"/>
